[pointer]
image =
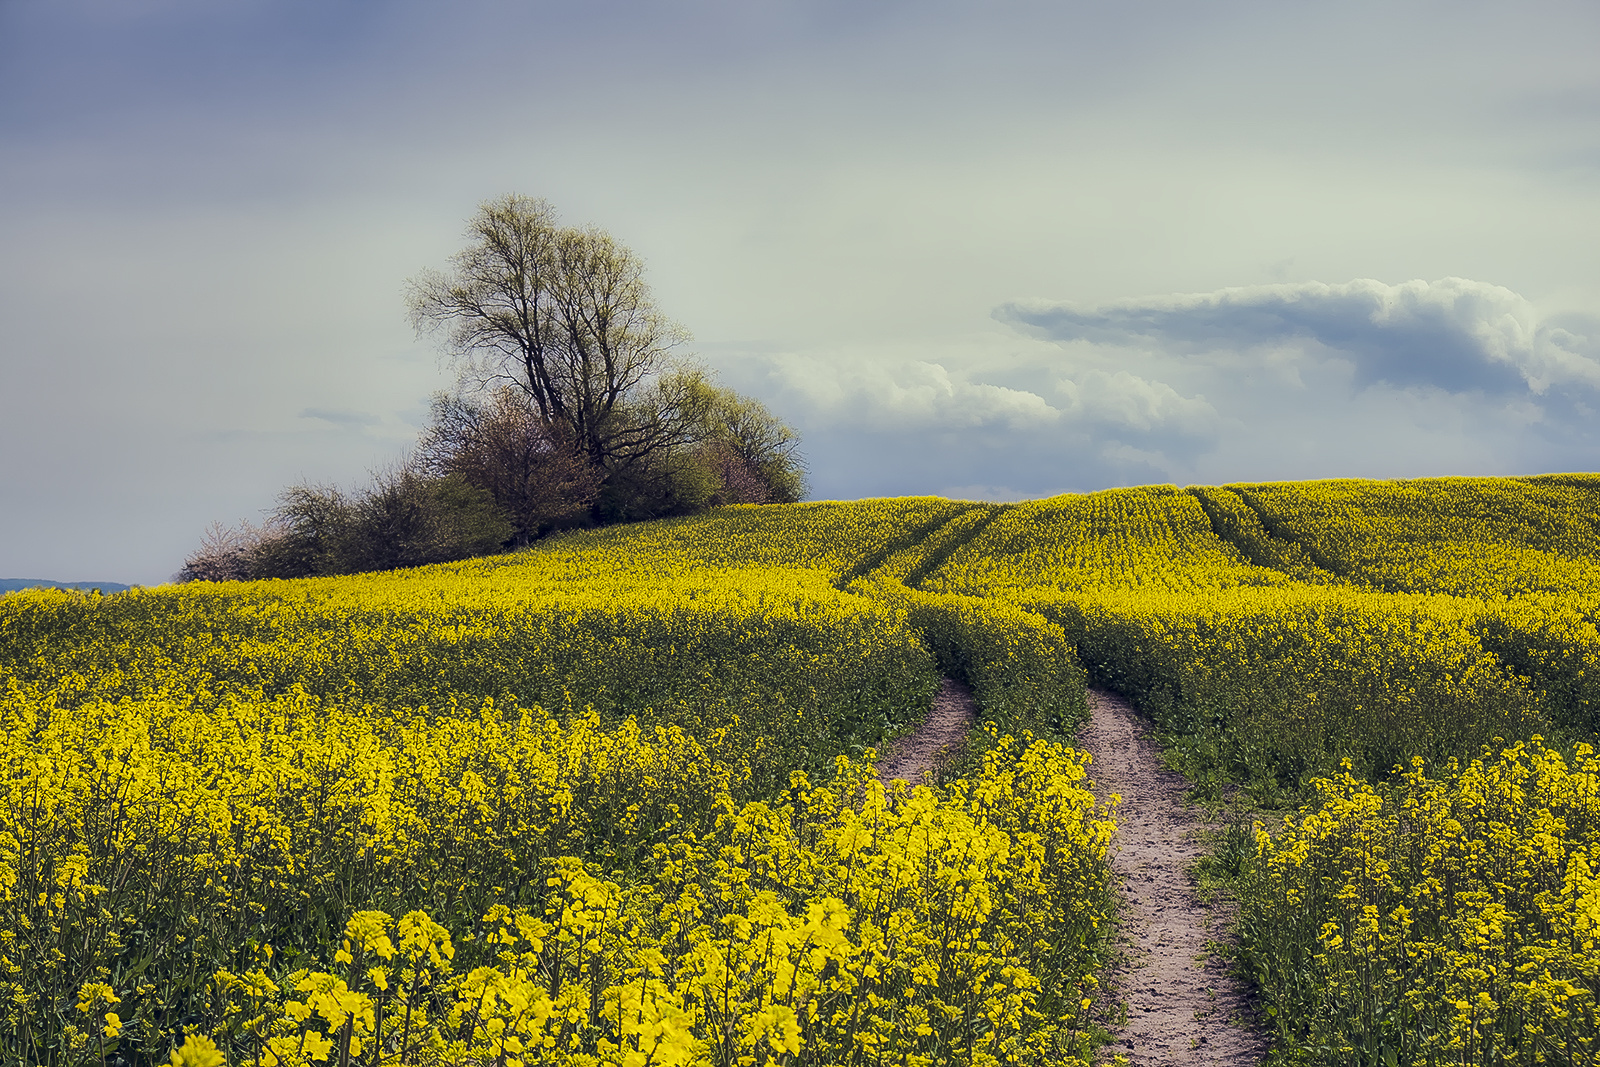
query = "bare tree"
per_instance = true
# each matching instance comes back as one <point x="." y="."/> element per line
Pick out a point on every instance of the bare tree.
<point x="223" y="556"/>
<point x="566" y="316"/>
<point x="572" y="399"/>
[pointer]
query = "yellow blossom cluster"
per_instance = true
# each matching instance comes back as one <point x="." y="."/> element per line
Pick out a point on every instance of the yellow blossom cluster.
<point x="1277" y="631"/>
<point x="1021" y="666"/>
<point x="1450" y="918"/>
<point x="1475" y="537"/>
<point x="1271" y="687"/>
<point x="843" y="924"/>
<point x="580" y="774"/>
<point x="1150" y="538"/>
<point x="1522" y="553"/>
<point x="145" y="843"/>
<point x="778" y="657"/>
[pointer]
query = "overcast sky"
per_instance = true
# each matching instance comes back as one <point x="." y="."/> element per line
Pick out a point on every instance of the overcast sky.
<point x="993" y="250"/>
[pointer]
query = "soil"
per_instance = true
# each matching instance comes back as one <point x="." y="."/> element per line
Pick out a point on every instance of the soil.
<point x="922" y="752"/>
<point x="1182" y="1005"/>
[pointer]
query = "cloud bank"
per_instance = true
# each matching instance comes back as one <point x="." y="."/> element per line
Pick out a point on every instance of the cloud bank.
<point x="1455" y="334"/>
<point x="1309" y="379"/>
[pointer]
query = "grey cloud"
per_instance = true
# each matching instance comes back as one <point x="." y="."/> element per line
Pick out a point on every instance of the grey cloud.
<point x="982" y="420"/>
<point x="348" y="420"/>
<point x="1454" y="334"/>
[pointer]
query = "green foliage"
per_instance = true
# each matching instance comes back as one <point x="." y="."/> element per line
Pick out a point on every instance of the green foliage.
<point x="665" y="485"/>
<point x="753" y="452"/>
<point x="1446" y="918"/>
<point x="498" y="443"/>
<point x="407" y="520"/>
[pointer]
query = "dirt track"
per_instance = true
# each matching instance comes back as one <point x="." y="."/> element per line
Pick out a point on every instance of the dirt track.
<point x="1183" y="1007"/>
<point x="921" y="751"/>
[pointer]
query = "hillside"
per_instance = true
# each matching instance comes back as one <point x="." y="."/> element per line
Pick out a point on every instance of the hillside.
<point x="628" y="752"/>
<point x="11" y="585"/>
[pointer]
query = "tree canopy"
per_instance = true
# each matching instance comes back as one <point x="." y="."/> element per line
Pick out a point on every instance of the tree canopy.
<point x="565" y="316"/>
<point x="574" y="406"/>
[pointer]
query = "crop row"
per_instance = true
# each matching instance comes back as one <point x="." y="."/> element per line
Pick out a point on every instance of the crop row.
<point x="216" y="778"/>
<point x="1356" y="644"/>
<point x="1264" y="629"/>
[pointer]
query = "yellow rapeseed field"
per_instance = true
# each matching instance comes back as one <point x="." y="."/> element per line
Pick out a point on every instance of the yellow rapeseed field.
<point x="1451" y="918"/>
<point x="608" y="800"/>
<point x="1397" y="653"/>
<point x="215" y="780"/>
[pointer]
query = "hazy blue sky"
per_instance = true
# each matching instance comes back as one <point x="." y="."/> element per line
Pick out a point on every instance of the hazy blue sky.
<point x="992" y="250"/>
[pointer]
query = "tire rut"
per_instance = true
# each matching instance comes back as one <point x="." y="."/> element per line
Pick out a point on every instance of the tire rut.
<point x="921" y="751"/>
<point x="1183" y="1006"/>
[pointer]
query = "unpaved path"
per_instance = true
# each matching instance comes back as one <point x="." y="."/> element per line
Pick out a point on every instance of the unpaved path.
<point x="922" y="750"/>
<point x="1183" y="1006"/>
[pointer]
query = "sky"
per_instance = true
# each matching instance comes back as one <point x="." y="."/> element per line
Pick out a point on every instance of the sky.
<point x="988" y="250"/>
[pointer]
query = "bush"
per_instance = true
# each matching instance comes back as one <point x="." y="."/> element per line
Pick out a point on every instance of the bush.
<point x="406" y="519"/>
<point x="500" y="445"/>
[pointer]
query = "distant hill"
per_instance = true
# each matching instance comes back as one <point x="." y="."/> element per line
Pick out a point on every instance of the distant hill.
<point x="11" y="585"/>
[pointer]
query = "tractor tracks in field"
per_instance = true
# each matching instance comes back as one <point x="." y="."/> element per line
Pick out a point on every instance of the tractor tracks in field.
<point x="1183" y="1007"/>
<point x="921" y="551"/>
<point x="933" y="742"/>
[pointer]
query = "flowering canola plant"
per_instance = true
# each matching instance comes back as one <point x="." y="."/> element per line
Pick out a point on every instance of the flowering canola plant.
<point x="1364" y="640"/>
<point x="845" y="924"/>
<point x="217" y="778"/>
<point x="1451" y="919"/>
<point x="558" y="805"/>
<point x="1268" y="631"/>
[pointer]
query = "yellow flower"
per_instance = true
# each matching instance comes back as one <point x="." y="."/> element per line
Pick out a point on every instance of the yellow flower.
<point x="197" y="1051"/>
<point x="316" y="1046"/>
<point x="93" y="994"/>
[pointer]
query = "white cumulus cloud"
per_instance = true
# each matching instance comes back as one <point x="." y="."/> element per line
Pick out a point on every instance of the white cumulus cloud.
<point x="1126" y="400"/>
<point x="907" y="392"/>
